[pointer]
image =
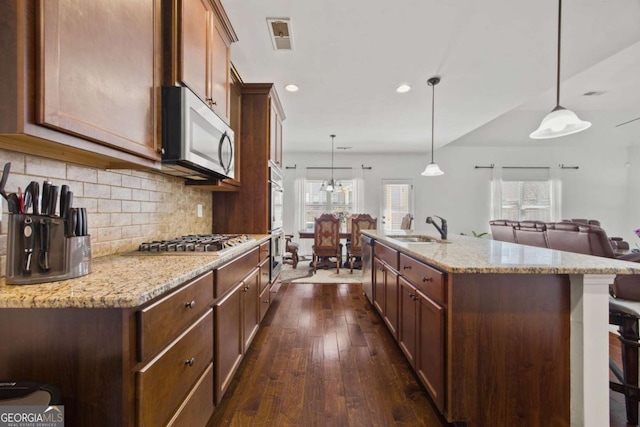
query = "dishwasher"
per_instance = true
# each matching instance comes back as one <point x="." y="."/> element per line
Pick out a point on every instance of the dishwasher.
<point x="367" y="274"/>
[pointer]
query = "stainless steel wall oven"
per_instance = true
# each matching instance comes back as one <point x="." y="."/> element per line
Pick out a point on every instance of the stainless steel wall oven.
<point x="276" y="212"/>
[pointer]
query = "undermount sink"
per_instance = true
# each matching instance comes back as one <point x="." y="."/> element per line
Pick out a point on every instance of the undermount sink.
<point x="417" y="239"/>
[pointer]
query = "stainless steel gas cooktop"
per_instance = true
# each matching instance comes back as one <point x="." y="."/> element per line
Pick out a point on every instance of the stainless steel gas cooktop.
<point x="197" y="244"/>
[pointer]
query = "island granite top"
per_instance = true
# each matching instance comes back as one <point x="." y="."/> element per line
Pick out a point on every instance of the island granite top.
<point x="120" y="281"/>
<point x="463" y="254"/>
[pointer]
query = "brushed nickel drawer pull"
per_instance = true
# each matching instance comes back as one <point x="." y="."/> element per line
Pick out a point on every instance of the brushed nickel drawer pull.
<point x="406" y="267"/>
<point x="190" y="362"/>
<point x="427" y="279"/>
<point x="266" y="301"/>
<point x="190" y="304"/>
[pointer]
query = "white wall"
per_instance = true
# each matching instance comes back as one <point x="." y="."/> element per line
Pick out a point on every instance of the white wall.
<point x="597" y="190"/>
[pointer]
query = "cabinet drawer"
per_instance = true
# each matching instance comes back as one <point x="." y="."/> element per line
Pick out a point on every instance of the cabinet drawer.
<point x="163" y="384"/>
<point x="264" y="250"/>
<point x="385" y="253"/>
<point x="161" y="322"/>
<point x="264" y="274"/>
<point x="227" y="276"/>
<point x="265" y="301"/>
<point x="424" y="278"/>
<point x="198" y="406"/>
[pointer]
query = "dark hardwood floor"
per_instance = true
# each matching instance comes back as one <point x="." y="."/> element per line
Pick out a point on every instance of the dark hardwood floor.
<point x="323" y="357"/>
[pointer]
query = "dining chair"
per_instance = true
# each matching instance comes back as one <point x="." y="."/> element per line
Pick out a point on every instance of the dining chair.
<point x="354" y="248"/>
<point x="406" y="222"/>
<point x="326" y="240"/>
<point x="290" y="251"/>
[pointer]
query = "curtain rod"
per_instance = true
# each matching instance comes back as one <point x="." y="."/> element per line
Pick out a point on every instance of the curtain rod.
<point x="561" y="166"/>
<point x="326" y="167"/>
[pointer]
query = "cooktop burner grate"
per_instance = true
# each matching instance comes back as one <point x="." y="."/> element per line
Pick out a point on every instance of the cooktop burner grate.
<point x="195" y="243"/>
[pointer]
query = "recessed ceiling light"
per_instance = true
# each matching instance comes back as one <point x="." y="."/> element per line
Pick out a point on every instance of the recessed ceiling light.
<point x="403" y="88"/>
<point x="291" y="88"/>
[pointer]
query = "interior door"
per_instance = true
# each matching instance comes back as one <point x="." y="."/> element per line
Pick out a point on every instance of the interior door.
<point x="395" y="202"/>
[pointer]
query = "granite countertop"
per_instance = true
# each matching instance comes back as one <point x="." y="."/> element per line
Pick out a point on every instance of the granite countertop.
<point x="120" y="281"/>
<point x="463" y="254"/>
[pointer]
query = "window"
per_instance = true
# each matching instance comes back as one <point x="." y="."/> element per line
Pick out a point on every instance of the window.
<point x="526" y="200"/>
<point x="526" y="194"/>
<point x="396" y="202"/>
<point x="317" y="202"/>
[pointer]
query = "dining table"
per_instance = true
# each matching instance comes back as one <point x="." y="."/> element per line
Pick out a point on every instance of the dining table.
<point x="324" y="263"/>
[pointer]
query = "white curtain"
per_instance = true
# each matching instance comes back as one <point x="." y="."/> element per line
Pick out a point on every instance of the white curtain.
<point x="556" y="195"/>
<point x="358" y="190"/>
<point x="299" y="190"/>
<point x="496" y="193"/>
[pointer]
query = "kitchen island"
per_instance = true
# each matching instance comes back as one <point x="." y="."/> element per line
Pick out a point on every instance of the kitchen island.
<point x="500" y="333"/>
<point x="144" y="339"/>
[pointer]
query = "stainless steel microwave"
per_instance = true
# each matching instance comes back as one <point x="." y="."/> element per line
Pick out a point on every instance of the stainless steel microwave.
<point x="196" y="143"/>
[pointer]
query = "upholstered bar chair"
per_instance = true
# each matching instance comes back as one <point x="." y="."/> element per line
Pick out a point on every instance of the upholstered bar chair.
<point x="326" y="240"/>
<point x="358" y="223"/>
<point x="503" y="230"/>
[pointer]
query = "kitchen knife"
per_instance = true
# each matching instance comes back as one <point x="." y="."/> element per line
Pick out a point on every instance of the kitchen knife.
<point x="46" y="190"/>
<point x="28" y="240"/>
<point x="84" y="225"/>
<point x="63" y="200"/>
<point x="3" y="181"/>
<point x="53" y="200"/>
<point x="73" y="220"/>
<point x="45" y="238"/>
<point x="66" y="213"/>
<point x="32" y="198"/>
<point x="13" y="205"/>
<point x="79" y="224"/>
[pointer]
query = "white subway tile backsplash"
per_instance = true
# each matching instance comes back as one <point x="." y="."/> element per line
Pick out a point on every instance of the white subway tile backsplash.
<point x="82" y="174"/>
<point x="97" y="190"/>
<point x="46" y="168"/>
<point x="129" y="181"/>
<point x="107" y="205"/>
<point x="130" y="206"/>
<point x="120" y="193"/>
<point x="119" y="220"/>
<point x="109" y="178"/>
<point x="125" y="207"/>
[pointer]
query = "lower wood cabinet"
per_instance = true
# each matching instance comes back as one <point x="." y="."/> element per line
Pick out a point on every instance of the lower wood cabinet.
<point x="163" y="383"/>
<point x="167" y="362"/>
<point x="410" y="296"/>
<point x="237" y="315"/>
<point x="421" y="338"/>
<point x="228" y="339"/>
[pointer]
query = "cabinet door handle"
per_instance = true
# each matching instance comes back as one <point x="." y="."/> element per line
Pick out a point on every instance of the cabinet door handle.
<point x="412" y="296"/>
<point x="190" y="362"/>
<point x="406" y="267"/>
<point x="266" y="301"/>
<point x="191" y="304"/>
<point x="427" y="279"/>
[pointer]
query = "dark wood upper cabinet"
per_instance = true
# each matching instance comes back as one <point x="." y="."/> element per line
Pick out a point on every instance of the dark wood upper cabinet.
<point x="81" y="80"/>
<point x="197" y="39"/>
<point x="247" y="210"/>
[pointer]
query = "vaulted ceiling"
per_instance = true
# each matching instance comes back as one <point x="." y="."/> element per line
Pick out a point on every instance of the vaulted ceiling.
<point x="496" y="58"/>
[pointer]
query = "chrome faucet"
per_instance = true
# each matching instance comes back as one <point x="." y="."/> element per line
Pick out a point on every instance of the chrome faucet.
<point x="442" y="229"/>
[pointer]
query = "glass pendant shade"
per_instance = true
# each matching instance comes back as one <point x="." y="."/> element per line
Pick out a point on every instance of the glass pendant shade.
<point x="432" y="169"/>
<point x="559" y="122"/>
<point x="329" y="187"/>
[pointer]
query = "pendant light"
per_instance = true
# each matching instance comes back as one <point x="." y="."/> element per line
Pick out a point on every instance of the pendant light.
<point x="331" y="184"/>
<point x="560" y="121"/>
<point x="432" y="168"/>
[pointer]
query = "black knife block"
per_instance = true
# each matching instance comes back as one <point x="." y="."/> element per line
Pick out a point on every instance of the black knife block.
<point x="69" y="257"/>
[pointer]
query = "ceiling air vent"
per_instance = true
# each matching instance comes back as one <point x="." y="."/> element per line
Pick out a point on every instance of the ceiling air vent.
<point x="280" y="31"/>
